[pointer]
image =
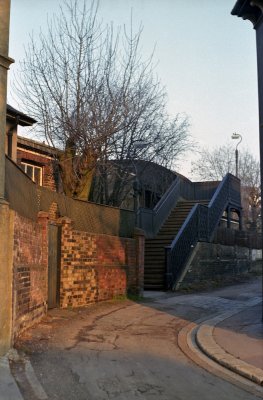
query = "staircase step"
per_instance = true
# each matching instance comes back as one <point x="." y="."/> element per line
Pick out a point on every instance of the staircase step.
<point x="155" y="252"/>
<point x="155" y="256"/>
<point x="155" y="260"/>
<point x="157" y="263"/>
<point x="148" y="286"/>
<point x="152" y="269"/>
<point x="169" y="229"/>
<point x="154" y="277"/>
<point x="157" y="280"/>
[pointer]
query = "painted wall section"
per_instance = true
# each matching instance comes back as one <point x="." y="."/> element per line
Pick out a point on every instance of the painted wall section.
<point x="6" y="255"/>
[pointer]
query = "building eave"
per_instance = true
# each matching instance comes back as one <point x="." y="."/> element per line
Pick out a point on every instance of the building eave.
<point x="41" y="148"/>
<point x="18" y="117"/>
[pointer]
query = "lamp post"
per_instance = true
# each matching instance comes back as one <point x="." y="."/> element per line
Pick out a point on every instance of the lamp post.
<point x="253" y="11"/>
<point x="236" y="136"/>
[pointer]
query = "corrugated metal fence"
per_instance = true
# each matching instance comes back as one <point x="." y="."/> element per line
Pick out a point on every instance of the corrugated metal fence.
<point x="27" y="198"/>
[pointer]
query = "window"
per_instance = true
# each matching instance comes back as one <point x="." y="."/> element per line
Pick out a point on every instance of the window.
<point x="33" y="171"/>
<point x="150" y="199"/>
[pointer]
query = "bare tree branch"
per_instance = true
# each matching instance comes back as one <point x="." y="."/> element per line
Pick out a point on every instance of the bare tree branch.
<point x="94" y="97"/>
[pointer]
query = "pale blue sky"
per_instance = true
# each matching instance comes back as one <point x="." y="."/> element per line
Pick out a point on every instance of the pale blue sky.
<point x="205" y="57"/>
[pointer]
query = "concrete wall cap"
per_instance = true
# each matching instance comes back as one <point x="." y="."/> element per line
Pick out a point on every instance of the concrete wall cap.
<point x="138" y="232"/>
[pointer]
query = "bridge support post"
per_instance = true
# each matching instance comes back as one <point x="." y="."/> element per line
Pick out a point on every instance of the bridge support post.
<point x="168" y="273"/>
<point x="229" y="209"/>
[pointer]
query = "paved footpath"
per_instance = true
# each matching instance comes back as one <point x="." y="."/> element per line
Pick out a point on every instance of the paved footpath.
<point x="146" y="350"/>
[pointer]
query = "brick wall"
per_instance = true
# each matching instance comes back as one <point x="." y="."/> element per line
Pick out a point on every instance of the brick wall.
<point x="93" y="268"/>
<point x="30" y="263"/>
<point x="47" y="164"/>
<point x="97" y="267"/>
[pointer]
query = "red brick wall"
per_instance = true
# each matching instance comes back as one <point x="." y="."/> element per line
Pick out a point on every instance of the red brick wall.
<point x="30" y="271"/>
<point x="95" y="267"/>
<point x="41" y="160"/>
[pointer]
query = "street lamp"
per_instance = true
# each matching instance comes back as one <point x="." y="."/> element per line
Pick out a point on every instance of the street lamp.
<point x="236" y="136"/>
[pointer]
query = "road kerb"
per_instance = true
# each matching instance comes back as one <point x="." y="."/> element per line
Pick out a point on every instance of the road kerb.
<point x="188" y="345"/>
<point x="206" y="342"/>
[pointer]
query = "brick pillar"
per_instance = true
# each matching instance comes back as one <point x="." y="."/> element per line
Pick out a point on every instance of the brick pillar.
<point x="65" y="275"/>
<point x="139" y="237"/>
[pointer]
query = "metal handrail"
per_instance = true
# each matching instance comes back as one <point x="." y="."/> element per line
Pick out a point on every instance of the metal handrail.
<point x="199" y="225"/>
<point x="167" y="195"/>
<point x="152" y="220"/>
<point x="166" y="204"/>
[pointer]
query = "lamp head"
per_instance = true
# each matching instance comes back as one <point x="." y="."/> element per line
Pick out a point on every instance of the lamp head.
<point x="235" y="136"/>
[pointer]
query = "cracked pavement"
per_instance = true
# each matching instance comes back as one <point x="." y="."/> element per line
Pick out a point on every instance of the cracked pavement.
<point x="128" y="350"/>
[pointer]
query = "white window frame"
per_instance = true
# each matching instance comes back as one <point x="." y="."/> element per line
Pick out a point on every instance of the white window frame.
<point x="25" y="164"/>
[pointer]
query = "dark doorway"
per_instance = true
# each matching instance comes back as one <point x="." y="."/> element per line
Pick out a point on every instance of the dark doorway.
<point x="54" y="244"/>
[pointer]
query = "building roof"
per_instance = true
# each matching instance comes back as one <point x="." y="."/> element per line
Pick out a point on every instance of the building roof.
<point x="149" y="172"/>
<point x="19" y="117"/>
<point x="39" y="147"/>
<point x="149" y="166"/>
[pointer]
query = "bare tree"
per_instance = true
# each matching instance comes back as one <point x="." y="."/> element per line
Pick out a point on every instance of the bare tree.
<point x="215" y="164"/>
<point x="94" y="97"/>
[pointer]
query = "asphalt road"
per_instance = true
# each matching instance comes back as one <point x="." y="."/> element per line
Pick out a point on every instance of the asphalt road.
<point x="126" y="350"/>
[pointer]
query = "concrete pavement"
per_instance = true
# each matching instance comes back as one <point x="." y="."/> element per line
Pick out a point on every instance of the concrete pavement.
<point x="8" y="386"/>
<point x="127" y="350"/>
<point x="233" y="339"/>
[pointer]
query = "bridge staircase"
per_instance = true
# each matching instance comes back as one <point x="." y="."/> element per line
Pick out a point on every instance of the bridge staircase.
<point x="154" y="262"/>
<point x="186" y="221"/>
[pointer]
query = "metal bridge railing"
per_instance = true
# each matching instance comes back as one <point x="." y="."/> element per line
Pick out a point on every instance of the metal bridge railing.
<point x="199" y="225"/>
<point x="152" y="220"/>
